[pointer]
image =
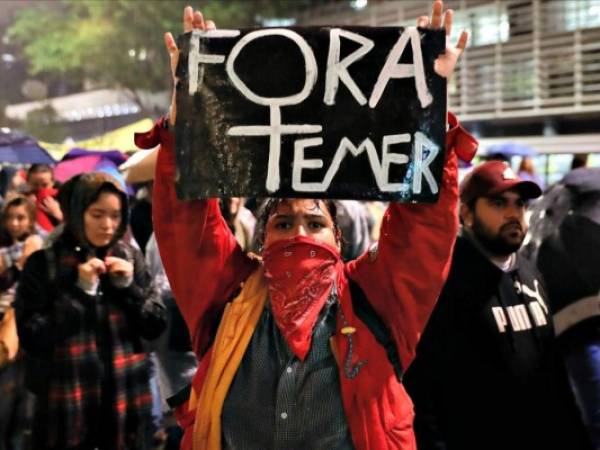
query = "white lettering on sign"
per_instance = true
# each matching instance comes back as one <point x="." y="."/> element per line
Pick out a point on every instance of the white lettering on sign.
<point x="196" y="58"/>
<point x="422" y="165"/>
<point x="275" y="130"/>
<point x="380" y="168"/>
<point x="338" y="70"/>
<point x="424" y="151"/>
<point x="392" y="69"/>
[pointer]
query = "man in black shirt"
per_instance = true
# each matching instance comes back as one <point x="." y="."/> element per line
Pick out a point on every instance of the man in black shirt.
<point x="486" y="375"/>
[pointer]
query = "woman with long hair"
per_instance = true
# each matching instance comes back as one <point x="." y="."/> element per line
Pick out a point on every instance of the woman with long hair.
<point x="18" y="240"/>
<point x="83" y="304"/>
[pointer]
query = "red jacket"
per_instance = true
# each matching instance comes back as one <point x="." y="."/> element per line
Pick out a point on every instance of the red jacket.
<point x="402" y="281"/>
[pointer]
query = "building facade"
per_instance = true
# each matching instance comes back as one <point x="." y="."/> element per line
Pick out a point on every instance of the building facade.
<point x="531" y="74"/>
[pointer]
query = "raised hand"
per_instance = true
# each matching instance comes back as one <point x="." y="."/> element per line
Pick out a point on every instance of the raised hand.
<point x="445" y="63"/>
<point x="191" y="20"/>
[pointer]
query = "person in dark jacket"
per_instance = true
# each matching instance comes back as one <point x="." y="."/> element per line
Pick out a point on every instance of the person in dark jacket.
<point x="18" y="240"/>
<point x="569" y="260"/>
<point x="82" y="306"/>
<point x="486" y="374"/>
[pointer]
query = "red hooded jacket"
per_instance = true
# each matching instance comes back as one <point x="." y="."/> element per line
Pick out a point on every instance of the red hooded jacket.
<point x="401" y="280"/>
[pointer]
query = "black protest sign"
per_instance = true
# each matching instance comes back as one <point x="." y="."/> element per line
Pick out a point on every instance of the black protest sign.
<point x="352" y="112"/>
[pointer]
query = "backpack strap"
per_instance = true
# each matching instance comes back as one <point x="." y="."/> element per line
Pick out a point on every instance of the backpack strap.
<point x="365" y="312"/>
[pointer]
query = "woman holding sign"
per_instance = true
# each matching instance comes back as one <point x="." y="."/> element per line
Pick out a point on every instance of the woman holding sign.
<point x="299" y="350"/>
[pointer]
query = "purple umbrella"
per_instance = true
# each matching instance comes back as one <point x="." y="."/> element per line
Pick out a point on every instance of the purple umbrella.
<point x="18" y="148"/>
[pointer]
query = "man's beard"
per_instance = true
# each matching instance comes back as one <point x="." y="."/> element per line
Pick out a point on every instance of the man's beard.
<point x="502" y="243"/>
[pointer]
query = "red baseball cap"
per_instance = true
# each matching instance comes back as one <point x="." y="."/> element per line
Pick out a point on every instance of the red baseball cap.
<point x="492" y="178"/>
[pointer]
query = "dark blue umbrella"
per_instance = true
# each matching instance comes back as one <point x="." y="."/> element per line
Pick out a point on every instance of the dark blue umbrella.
<point x="510" y="149"/>
<point x="17" y="148"/>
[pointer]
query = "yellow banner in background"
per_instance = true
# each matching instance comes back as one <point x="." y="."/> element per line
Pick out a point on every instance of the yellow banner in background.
<point x="120" y="139"/>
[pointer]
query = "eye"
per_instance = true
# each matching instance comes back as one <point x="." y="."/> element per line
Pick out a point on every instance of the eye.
<point x="498" y="202"/>
<point x="282" y="225"/>
<point x="316" y="225"/>
<point x="521" y="203"/>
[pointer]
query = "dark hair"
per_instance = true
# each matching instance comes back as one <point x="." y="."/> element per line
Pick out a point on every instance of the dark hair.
<point x="79" y="192"/>
<point x="579" y="160"/>
<point x="30" y="209"/>
<point x="268" y="208"/>
<point x="471" y="206"/>
<point x="39" y="168"/>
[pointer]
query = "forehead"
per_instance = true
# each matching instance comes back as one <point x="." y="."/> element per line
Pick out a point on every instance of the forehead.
<point x="16" y="209"/>
<point x="107" y="200"/>
<point x="301" y="206"/>
<point x="41" y="175"/>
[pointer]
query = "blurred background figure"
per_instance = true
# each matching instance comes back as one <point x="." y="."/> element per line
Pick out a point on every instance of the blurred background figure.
<point x="356" y="222"/>
<point x="172" y="354"/>
<point x="565" y="244"/>
<point x="40" y="180"/>
<point x="527" y="171"/>
<point x="140" y="218"/>
<point x="18" y="240"/>
<point x="12" y="180"/>
<point x="579" y="160"/>
<point x="241" y="221"/>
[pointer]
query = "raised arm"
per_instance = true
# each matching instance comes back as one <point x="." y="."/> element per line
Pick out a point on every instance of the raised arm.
<point x="404" y="275"/>
<point x="202" y="259"/>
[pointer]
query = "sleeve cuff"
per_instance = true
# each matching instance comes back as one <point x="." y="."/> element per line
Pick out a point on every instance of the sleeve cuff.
<point x="460" y="140"/>
<point x="121" y="282"/>
<point x="90" y="288"/>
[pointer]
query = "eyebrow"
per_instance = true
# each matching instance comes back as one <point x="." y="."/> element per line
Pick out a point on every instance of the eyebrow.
<point x="287" y="216"/>
<point x="98" y="209"/>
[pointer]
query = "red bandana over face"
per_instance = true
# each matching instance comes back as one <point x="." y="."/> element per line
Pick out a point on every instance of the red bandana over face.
<point x="301" y="273"/>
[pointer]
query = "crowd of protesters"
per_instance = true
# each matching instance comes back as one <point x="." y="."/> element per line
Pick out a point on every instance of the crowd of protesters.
<point x="149" y="322"/>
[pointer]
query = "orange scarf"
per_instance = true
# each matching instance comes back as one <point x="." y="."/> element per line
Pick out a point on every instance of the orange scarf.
<point x="233" y="336"/>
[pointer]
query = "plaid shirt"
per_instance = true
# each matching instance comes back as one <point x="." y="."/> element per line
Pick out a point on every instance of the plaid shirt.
<point x="12" y="253"/>
<point x="293" y="405"/>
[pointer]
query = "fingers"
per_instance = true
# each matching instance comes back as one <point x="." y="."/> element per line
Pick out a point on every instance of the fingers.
<point x="188" y="19"/>
<point x="198" y="20"/>
<point x="436" y="14"/>
<point x="423" y="22"/>
<point x="110" y="260"/>
<point x="113" y="261"/>
<point x="448" y="16"/>
<point x="194" y="19"/>
<point x="97" y="265"/>
<point x="170" y="43"/>
<point x="118" y="266"/>
<point x="173" y="52"/>
<point x="462" y="40"/>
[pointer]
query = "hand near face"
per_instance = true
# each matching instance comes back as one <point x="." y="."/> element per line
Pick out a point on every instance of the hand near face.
<point x="51" y="207"/>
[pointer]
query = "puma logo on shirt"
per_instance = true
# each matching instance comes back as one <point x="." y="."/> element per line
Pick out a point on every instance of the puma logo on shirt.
<point x="523" y="316"/>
